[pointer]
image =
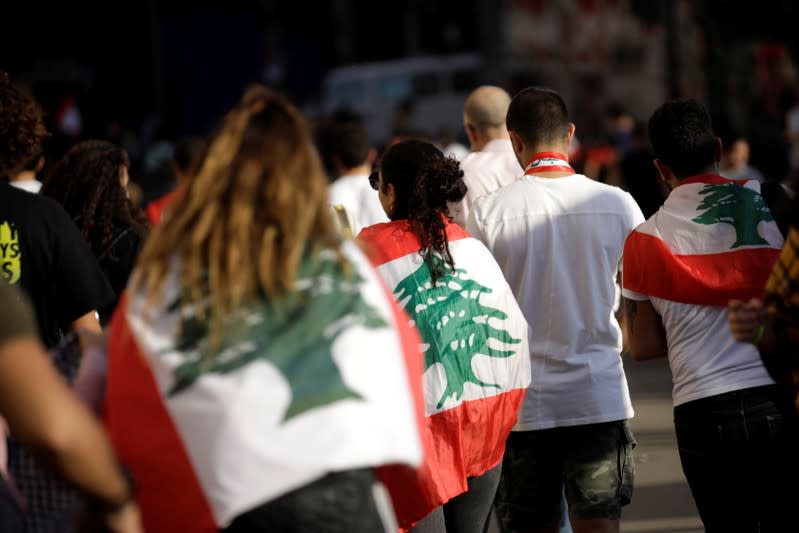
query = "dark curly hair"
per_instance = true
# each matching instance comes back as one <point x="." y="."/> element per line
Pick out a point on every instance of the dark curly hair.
<point x="424" y="181"/>
<point x="21" y="126"/>
<point x="87" y="182"/>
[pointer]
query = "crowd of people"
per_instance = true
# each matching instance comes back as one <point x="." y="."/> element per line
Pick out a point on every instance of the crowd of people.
<point x="311" y="334"/>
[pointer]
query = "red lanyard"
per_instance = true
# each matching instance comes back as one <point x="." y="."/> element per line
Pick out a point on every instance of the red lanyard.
<point x="547" y="162"/>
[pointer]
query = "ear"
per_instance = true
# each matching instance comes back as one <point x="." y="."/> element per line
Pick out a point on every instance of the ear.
<point x="517" y="142"/>
<point x="391" y="197"/>
<point x="371" y="156"/>
<point x="718" y="150"/>
<point x="664" y="171"/>
<point x="337" y="164"/>
<point x="471" y="133"/>
<point x="570" y="134"/>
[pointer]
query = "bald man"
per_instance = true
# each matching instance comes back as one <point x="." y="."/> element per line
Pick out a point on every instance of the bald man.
<point x="491" y="163"/>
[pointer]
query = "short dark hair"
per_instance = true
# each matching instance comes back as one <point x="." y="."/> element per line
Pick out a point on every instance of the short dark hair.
<point x="350" y="142"/>
<point x="681" y="134"/>
<point x="538" y="115"/>
<point x="188" y="150"/>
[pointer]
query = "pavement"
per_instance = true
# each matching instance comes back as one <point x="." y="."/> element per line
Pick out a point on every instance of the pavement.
<point x="662" y="501"/>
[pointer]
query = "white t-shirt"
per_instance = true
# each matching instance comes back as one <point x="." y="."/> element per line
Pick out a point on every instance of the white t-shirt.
<point x="33" y="186"/>
<point x="492" y="168"/>
<point x="559" y="243"/>
<point x="705" y="359"/>
<point x="359" y="199"/>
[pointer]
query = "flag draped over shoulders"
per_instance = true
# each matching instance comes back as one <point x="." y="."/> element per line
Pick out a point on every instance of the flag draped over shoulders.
<point x="476" y="357"/>
<point x="713" y="240"/>
<point x="322" y="380"/>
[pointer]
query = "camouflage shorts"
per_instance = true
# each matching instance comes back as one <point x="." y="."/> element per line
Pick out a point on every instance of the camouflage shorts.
<point x="594" y="462"/>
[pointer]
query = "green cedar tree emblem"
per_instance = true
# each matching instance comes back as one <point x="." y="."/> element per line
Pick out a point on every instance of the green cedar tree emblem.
<point x="295" y="334"/>
<point x="453" y="324"/>
<point x="741" y="207"/>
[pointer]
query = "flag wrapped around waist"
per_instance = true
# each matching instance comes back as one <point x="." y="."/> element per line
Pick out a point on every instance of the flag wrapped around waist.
<point x="477" y="363"/>
<point x="322" y="380"/>
<point x="713" y="240"/>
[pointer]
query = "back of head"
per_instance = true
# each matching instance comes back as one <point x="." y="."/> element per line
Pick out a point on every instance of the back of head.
<point x="256" y="203"/>
<point x="423" y="177"/>
<point x="87" y="181"/>
<point x="187" y="152"/>
<point x="424" y="181"/>
<point x="21" y="126"/>
<point x="349" y="142"/>
<point x="539" y="116"/>
<point x="487" y="107"/>
<point x="34" y="162"/>
<point x="681" y="134"/>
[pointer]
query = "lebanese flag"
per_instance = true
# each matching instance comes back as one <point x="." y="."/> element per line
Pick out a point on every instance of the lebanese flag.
<point x="713" y="240"/>
<point x="477" y="362"/>
<point x="320" y="381"/>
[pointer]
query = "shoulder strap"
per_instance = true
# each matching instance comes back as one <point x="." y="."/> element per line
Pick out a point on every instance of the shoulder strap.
<point x="113" y="242"/>
<point x="344" y="220"/>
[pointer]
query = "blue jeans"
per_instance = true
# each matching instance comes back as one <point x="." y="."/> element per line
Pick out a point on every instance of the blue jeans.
<point x="740" y="456"/>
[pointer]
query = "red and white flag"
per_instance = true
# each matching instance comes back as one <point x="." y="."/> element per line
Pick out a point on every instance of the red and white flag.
<point x="477" y="361"/>
<point x="323" y="380"/>
<point x="713" y="240"/>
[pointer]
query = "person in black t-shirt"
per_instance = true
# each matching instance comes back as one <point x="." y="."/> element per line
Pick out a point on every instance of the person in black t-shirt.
<point x="90" y="181"/>
<point x="41" y="249"/>
<point x="42" y="252"/>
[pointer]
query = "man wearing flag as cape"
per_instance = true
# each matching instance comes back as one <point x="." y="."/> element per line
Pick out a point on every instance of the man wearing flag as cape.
<point x="714" y="240"/>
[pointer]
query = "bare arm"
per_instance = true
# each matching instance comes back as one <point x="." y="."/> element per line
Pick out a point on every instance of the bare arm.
<point x="644" y="333"/>
<point x="87" y="322"/>
<point x="43" y="413"/>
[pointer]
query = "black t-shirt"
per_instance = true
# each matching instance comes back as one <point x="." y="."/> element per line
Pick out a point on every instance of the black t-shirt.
<point x="117" y="261"/>
<point x="42" y="251"/>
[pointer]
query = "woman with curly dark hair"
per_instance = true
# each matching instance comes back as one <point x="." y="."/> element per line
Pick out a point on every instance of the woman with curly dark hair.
<point x="91" y="181"/>
<point x="474" y="336"/>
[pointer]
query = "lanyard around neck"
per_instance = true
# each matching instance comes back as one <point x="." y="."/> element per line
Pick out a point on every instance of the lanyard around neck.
<point x="547" y="162"/>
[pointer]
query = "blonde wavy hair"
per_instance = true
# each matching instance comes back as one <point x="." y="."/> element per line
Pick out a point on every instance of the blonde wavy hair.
<point x="256" y="202"/>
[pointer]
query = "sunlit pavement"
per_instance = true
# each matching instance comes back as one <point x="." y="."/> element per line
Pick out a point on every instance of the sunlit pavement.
<point x="662" y="501"/>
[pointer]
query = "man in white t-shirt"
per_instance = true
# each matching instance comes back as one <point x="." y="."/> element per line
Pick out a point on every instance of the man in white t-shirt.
<point x="491" y="164"/>
<point x="714" y="240"/>
<point x="558" y="237"/>
<point x="352" y="156"/>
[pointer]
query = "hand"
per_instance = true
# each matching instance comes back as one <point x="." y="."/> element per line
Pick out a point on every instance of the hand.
<point x="745" y="318"/>
<point x="125" y="520"/>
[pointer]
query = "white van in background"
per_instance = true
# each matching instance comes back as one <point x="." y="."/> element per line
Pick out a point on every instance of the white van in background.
<point x="433" y="90"/>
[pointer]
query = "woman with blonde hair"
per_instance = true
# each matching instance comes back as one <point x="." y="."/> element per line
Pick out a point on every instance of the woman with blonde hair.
<point x="258" y="371"/>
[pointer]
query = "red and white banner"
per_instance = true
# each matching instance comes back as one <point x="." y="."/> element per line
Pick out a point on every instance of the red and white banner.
<point x="323" y="380"/>
<point x="713" y="240"/>
<point x="477" y="362"/>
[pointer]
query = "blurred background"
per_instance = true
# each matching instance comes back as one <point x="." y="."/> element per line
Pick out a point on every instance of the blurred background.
<point x="144" y="72"/>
